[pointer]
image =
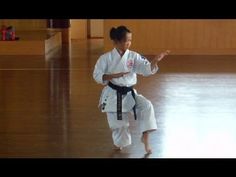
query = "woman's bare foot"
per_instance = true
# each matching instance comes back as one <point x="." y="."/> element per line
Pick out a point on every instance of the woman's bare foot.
<point x="117" y="148"/>
<point x="144" y="140"/>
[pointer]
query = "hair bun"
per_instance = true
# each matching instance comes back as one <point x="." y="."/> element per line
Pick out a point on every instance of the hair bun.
<point x="113" y="33"/>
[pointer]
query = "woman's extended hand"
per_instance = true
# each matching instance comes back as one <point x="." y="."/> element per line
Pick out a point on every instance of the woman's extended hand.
<point x="161" y="55"/>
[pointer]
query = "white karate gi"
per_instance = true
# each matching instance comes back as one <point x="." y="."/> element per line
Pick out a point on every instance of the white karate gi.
<point x="112" y="63"/>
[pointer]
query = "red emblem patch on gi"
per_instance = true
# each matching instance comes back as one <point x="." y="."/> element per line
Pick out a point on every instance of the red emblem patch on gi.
<point x="130" y="64"/>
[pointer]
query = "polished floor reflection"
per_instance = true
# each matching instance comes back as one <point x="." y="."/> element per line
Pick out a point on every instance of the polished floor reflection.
<point x="48" y="106"/>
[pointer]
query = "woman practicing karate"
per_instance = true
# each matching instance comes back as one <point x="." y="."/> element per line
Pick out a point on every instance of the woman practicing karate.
<point x="118" y="70"/>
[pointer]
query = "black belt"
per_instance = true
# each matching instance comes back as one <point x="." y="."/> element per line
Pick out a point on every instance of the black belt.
<point x="122" y="91"/>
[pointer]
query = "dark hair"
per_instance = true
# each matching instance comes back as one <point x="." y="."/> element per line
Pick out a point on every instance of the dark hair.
<point x="119" y="33"/>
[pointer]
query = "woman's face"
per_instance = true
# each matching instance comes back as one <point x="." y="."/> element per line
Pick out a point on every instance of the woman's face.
<point x="125" y="43"/>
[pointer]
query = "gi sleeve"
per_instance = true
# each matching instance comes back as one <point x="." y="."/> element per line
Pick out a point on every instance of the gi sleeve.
<point x="99" y="70"/>
<point x="143" y="67"/>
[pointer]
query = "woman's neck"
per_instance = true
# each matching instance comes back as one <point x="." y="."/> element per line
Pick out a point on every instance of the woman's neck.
<point x="121" y="52"/>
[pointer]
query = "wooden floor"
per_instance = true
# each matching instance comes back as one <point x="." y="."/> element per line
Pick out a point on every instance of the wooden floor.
<point x="48" y="107"/>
